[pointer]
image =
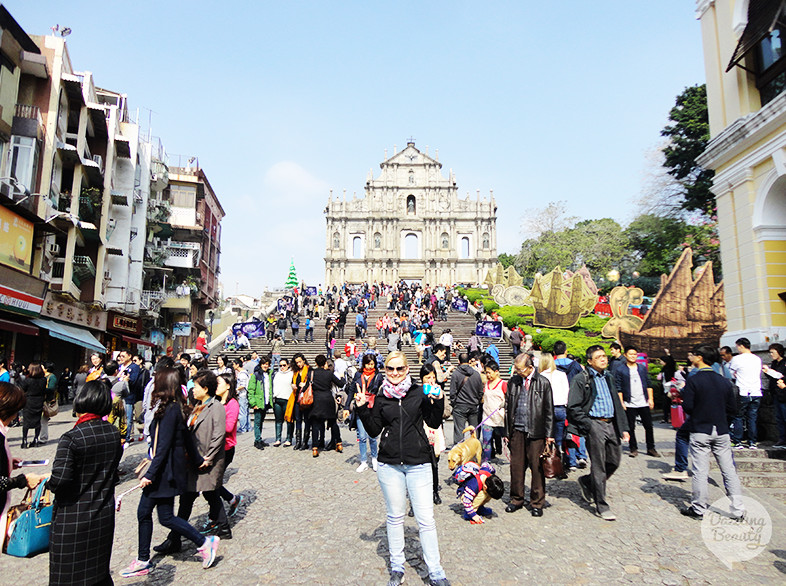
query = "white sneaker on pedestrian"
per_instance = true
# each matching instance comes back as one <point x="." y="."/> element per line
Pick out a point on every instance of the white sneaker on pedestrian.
<point x="677" y="476"/>
<point x="374" y="464"/>
<point x="208" y="551"/>
<point x="362" y="468"/>
<point x="137" y="568"/>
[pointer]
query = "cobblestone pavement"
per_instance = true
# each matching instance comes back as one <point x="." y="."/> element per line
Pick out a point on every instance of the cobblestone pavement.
<point x="310" y="520"/>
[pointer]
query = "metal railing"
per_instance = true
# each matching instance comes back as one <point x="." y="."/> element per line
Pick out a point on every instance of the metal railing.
<point x="28" y="111"/>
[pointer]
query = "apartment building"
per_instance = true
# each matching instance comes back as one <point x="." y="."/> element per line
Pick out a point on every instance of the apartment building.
<point x="85" y="205"/>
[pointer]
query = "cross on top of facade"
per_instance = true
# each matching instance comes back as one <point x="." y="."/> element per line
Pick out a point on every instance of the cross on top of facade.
<point x="411" y="140"/>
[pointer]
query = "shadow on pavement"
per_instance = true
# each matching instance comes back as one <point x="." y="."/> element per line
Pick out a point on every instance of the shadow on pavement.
<point x="780" y="565"/>
<point x="412" y="550"/>
<point x="672" y="493"/>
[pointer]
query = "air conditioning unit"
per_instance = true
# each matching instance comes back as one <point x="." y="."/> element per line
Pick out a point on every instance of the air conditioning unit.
<point x="107" y="276"/>
<point x="53" y="249"/>
<point x="99" y="159"/>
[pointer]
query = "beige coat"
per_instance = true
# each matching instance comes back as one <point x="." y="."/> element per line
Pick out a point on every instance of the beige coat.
<point x="209" y="430"/>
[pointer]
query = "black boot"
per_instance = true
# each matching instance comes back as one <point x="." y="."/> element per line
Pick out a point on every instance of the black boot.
<point x="169" y="545"/>
<point x="223" y="532"/>
<point x="298" y="441"/>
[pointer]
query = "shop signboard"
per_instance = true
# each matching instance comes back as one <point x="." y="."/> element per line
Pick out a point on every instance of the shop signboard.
<point x="73" y="312"/>
<point x="181" y="328"/>
<point x="16" y="240"/>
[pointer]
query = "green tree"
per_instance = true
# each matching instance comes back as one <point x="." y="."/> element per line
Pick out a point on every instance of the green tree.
<point x="688" y="134"/>
<point x="506" y="259"/>
<point x="655" y="243"/>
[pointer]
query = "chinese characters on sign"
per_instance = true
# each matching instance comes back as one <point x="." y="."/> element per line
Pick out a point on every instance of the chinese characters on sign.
<point x="73" y="313"/>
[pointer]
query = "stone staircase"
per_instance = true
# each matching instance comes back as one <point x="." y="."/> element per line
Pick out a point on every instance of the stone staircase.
<point x="461" y="326"/>
<point x="764" y="468"/>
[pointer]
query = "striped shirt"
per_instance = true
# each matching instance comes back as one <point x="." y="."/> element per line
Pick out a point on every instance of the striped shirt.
<point x="603" y="405"/>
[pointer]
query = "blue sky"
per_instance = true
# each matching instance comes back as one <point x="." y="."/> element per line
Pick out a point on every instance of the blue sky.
<point x="282" y="101"/>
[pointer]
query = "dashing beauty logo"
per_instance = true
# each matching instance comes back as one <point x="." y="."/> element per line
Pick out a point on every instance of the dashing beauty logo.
<point x="732" y="540"/>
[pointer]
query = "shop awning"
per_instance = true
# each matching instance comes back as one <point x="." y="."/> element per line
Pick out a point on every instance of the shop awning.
<point x="72" y="334"/>
<point x="131" y="340"/>
<point x="13" y="326"/>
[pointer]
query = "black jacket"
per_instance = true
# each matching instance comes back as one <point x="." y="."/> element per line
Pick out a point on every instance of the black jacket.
<point x="540" y="406"/>
<point x="710" y="401"/>
<point x="466" y="386"/>
<point x="581" y="398"/>
<point x="400" y="423"/>
<point x="175" y="452"/>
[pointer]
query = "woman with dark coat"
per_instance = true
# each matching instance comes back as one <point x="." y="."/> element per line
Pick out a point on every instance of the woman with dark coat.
<point x="84" y="476"/>
<point x="34" y="387"/>
<point x="12" y="399"/>
<point x="367" y="381"/>
<point x="324" y="409"/>
<point x="399" y="412"/>
<point x="207" y="424"/>
<point x="167" y="475"/>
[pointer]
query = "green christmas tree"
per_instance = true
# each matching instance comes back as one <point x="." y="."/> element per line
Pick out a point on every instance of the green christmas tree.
<point x="292" y="281"/>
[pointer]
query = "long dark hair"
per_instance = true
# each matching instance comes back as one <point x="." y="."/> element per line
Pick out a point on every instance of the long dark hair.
<point x="166" y="390"/>
<point x="230" y="380"/>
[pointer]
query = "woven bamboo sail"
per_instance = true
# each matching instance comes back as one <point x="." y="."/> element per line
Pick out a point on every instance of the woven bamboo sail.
<point x="686" y="312"/>
<point x="561" y="299"/>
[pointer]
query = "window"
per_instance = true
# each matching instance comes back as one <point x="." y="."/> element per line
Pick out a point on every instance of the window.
<point x="377" y="240"/>
<point x="412" y="178"/>
<point x="465" y="247"/>
<point x="486" y="240"/>
<point x="445" y="240"/>
<point x="24" y="160"/>
<point x="357" y="247"/>
<point x="411" y="247"/>
<point x="771" y="65"/>
<point x="183" y="196"/>
<point x="411" y="205"/>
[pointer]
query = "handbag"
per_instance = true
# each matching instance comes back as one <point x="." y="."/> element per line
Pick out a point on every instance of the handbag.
<point x="29" y="523"/>
<point x="551" y="461"/>
<point x="677" y="416"/>
<point x="51" y="408"/>
<point x="307" y="397"/>
<point x="143" y="466"/>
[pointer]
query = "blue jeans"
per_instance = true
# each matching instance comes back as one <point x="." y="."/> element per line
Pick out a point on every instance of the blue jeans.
<point x="396" y="480"/>
<point x="489" y="436"/>
<point x="560" y="412"/>
<point x="283" y="333"/>
<point x="681" y="448"/>
<point x="362" y="437"/>
<point x="749" y="411"/>
<point x="166" y="516"/>
<point x="780" y="416"/>
<point x="242" y="418"/>
<point x="129" y="418"/>
<point x="580" y="454"/>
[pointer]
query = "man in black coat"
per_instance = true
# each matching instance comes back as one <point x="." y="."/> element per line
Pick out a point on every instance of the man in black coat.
<point x="595" y="412"/>
<point x="710" y="402"/>
<point x="529" y="418"/>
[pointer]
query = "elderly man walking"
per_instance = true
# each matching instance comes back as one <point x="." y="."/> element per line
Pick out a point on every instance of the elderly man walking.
<point x="595" y="411"/>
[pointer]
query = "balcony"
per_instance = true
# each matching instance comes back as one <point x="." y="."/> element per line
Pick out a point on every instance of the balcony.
<point x="182" y="254"/>
<point x="83" y="268"/>
<point x="27" y="121"/>
<point x="56" y="282"/>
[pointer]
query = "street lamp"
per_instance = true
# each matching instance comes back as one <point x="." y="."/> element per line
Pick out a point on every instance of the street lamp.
<point x="210" y="317"/>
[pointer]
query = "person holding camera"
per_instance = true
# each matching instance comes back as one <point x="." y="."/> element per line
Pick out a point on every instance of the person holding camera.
<point x="405" y="455"/>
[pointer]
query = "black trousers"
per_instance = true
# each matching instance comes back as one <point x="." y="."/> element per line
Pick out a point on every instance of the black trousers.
<point x="646" y="421"/>
<point x="605" y="453"/>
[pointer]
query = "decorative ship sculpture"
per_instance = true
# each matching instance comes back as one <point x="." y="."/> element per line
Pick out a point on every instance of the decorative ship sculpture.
<point x="686" y="312"/>
<point x="506" y="286"/>
<point x="560" y="299"/>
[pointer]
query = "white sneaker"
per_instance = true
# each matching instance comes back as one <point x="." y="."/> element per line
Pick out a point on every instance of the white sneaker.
<point x="374" y="464"/>
<point x="362" y="468"/>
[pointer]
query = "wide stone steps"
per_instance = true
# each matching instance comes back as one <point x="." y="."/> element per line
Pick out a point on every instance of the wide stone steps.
<point x="762" y="468"/>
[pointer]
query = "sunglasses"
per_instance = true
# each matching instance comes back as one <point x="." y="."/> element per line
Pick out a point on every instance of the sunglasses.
<point x="398" y="369"/>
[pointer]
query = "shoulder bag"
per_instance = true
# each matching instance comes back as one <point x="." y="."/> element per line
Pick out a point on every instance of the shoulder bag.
<point x="307" y="396"/>
<point x="29" y="523"/>
<point x="51" y="408"/>
<point x="142" y="467"/>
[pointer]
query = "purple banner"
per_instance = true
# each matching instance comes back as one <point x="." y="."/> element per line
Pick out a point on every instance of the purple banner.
<point x="311" y="291"/>
<point x="252" y="329"/>
<point x="489" y="329"/>
<point x="460" y="304"/>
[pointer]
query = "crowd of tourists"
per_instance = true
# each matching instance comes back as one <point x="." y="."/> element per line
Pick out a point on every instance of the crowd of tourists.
<point x="189" y="416"/>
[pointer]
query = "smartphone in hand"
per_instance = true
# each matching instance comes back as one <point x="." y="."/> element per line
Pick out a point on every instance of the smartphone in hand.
<point x="33" y="463"/>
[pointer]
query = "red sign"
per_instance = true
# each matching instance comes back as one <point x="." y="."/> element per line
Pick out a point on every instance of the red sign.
<point x="124" y="323"/>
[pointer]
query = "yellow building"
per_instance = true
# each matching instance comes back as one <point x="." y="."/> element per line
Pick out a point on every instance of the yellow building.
<point x="745" y="60"/>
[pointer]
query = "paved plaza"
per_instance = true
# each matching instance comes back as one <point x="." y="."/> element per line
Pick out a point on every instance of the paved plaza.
<point x="310" y="520"/>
